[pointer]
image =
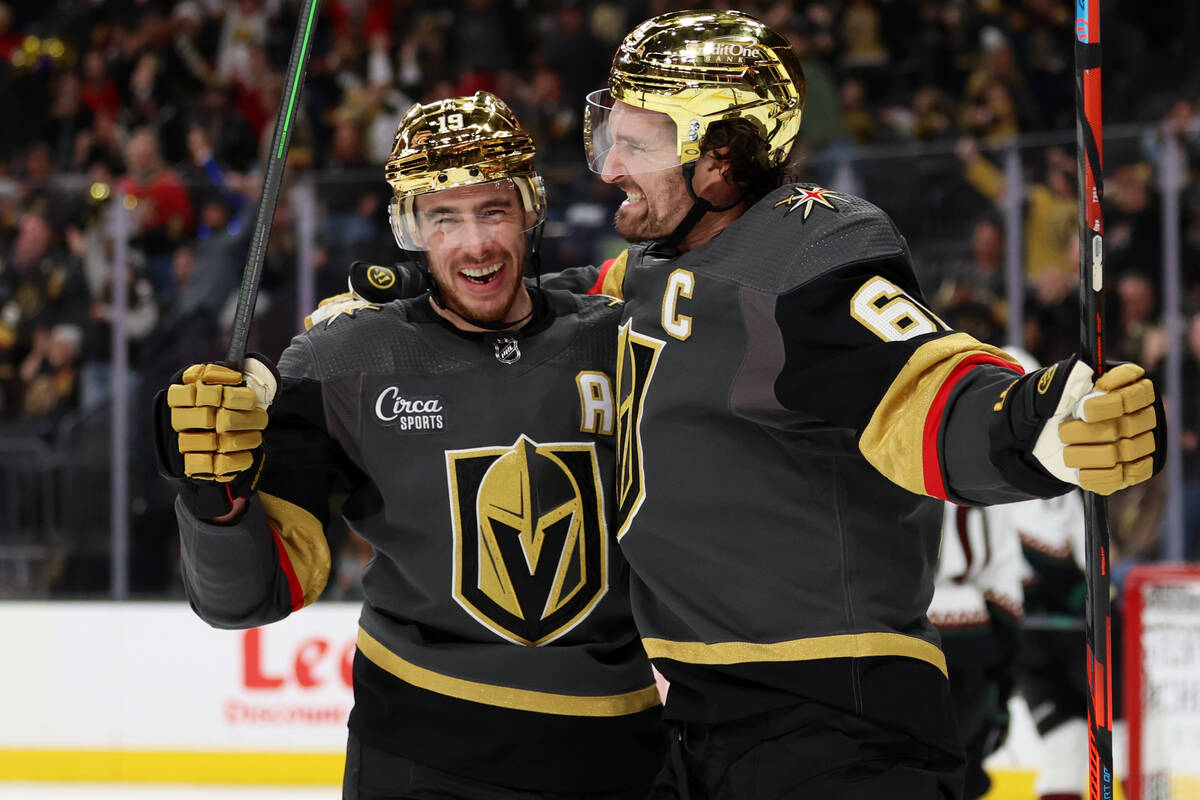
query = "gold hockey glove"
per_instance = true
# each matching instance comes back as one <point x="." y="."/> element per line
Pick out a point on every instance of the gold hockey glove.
<point x="1102" y="436"/>
<point x="209" y="425"/>
<point x="1112" y="437"/>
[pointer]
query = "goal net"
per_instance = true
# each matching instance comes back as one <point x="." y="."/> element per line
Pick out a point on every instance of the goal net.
<point x="1162" y="682"/>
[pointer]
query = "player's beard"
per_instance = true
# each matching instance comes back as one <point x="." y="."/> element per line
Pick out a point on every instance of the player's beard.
<point x="664" y="206"/>
<point x="492" y="309"/>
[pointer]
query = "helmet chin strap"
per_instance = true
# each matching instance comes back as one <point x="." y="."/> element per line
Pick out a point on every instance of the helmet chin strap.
<point x="478" y="323"/>
<point x="700" y="207"/>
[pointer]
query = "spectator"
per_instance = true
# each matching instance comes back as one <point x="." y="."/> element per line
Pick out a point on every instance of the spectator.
<point x="981" y="278"/>
<point x="190" y="60"/>
<point x="996" y="102"/>
<point x="10" y="39"/>
<point x="99" y="91"/>
<point x="229" y="136"/>
<point x="162" y="208"/>
<point x="483" y="42"/>
<point x="244" y="30"/>
<point x="1051" y="208"/>
<point x="353" y="208"/>
<point x="209" y="181"/>
<point x="1132" y="222"/>
<point x="141" y="316"/>
<point x="44" y="285"/>
<point x="573" y="53"/>
<point x="862" y="124"/>
<point x="823" y="123"/>
<point x="69" y="118"/>
<point x="50" y="377"/>
<point x="1136" y="318"/>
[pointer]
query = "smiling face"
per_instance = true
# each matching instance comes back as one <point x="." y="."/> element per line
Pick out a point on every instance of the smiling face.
<point x="644" y="162"/>
<point x="474" y="237"/>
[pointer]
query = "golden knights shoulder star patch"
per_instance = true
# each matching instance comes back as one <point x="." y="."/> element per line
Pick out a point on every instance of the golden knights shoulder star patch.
<point x="530" y="550"/>
<point x="806" y="198"/>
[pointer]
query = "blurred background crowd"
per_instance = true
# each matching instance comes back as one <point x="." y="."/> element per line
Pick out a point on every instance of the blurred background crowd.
<point x="131" y="154"/>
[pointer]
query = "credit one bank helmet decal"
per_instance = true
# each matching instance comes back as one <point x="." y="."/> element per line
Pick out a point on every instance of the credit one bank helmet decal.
<point x="697" y="67"/>
<point x="463" y="141"/>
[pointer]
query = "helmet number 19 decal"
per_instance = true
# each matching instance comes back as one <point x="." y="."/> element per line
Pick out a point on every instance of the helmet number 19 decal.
<point x="449" y="122"/>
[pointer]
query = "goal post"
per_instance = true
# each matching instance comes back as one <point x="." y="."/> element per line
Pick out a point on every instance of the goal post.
<point x="1162" y="681"/>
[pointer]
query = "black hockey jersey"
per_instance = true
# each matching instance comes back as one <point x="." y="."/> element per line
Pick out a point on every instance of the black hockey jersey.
<point x="788" y="408"/>
<point x="496" y="640"/>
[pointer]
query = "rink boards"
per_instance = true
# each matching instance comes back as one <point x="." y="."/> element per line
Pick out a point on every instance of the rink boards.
<point x="146" y="692"/>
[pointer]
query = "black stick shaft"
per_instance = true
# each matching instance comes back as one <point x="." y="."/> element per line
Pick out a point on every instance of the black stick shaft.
<point x="289" y="105"/>
<point x="1097" y="623"/>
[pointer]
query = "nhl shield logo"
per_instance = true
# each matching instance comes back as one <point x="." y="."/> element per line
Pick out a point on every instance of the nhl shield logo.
<point x="508" y="350"/>
<point x="530" y="552"/>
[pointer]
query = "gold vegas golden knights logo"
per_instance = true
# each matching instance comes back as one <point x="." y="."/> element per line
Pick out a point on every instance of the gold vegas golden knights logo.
<point x="637" y="356"/>
<point x="530" y="552"/>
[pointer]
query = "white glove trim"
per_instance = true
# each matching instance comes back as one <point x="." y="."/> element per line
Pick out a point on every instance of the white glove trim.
<point x="260" y="378"/>
<point x="1048" y="449"/>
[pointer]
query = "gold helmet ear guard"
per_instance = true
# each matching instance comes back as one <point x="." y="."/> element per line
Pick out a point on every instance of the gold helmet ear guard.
<point x="699" y="67"/>
<point x="461" y="141"/>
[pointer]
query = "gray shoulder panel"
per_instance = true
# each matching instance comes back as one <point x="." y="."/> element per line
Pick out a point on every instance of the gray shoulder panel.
<point x="371" y="340"/>
<point x="796" y="234"/>
<point x="595" y="339"/>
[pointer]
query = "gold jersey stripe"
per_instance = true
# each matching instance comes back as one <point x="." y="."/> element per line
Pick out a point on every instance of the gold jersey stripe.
<point x="894" y="439"/>
<point x="304" y="540"/>
<point x="614" y="279"/>
<point x="616" y="705"/>
<point x="846" y="645"/>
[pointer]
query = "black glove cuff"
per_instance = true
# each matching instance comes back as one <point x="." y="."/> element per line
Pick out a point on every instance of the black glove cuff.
<point x="211" y="499"/>
<point x="1019" y="419"/>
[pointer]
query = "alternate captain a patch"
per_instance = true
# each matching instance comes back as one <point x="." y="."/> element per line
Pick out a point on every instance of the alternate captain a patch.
<point x="530" y="555"/>
<point x="807" y="198"/>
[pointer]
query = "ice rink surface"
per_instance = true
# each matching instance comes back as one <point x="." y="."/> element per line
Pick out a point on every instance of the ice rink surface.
<point x="158" y="791"/>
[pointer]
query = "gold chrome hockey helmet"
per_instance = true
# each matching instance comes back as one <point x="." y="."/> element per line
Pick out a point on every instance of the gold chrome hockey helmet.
<point x="699" y="67"/>
<point x="461" y="141"/>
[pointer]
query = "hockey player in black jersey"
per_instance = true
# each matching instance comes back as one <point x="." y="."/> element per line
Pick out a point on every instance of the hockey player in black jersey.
<point x="471" y="431"/>
<point x="790" y="412"/>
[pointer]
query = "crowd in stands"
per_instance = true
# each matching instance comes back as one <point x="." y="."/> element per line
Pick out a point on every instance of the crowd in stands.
<point x="171" y="105"/>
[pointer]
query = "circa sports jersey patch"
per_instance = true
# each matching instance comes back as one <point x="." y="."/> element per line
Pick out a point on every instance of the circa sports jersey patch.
<point x="410" y="413"/>
<point x="530" y="552"/>
<point x="806" y="198"/>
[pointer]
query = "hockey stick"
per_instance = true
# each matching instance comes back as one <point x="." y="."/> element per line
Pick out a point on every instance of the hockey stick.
<point x="276" y="160"/>
<point x="1089" y="155"/>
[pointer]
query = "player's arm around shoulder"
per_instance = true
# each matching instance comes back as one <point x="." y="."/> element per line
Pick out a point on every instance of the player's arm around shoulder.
<point x="607" y="279"/>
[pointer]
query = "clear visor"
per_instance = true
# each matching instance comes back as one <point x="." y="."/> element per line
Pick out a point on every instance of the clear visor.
<point x="621" y="139"/>
<point x="489" y="213"/>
